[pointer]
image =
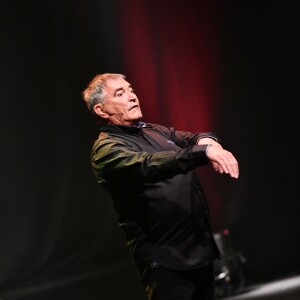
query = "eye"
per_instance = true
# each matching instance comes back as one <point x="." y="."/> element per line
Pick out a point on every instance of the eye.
<point x="119" y="94"/>
<point x="131" y="90"/>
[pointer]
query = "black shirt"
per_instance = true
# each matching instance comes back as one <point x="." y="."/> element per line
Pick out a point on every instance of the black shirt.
<point x="148" y="171"/>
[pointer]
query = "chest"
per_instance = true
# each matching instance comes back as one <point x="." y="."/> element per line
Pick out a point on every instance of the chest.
<point x="150" y="142"/>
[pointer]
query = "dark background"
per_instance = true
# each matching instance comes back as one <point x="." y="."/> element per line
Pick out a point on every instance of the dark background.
<point x="231" y="67"/>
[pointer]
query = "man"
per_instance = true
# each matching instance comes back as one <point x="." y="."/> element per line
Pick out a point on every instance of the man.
<point x="148" y="170"/>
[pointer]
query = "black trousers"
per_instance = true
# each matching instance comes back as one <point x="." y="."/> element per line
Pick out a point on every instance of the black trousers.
<point x="165" y="284"/>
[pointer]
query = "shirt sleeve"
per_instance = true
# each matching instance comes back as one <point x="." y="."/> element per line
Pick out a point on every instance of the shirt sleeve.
<point x="184" y="139"/>
<point x="117" y="161"/>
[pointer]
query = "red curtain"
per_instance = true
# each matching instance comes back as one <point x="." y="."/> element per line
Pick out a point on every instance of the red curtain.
<point x="170" y="53"/>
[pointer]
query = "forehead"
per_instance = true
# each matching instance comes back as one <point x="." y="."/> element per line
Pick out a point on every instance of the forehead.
<point x="113" y="84"/>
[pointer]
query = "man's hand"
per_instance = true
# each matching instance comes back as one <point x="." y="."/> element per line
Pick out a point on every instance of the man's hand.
<point x="222" y="160"/>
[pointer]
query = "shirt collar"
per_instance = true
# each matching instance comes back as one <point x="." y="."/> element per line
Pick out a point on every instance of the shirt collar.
<point x="123" y="128"/>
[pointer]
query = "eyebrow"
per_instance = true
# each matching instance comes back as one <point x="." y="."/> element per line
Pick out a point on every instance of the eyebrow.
<point x="117" y="90"/>
<point x="121" y="89"/>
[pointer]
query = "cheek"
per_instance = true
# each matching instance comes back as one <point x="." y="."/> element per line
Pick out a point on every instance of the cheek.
<point x="117" y="108"/>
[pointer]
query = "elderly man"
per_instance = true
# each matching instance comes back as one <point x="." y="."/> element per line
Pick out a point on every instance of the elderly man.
<point x="148" y="170"/>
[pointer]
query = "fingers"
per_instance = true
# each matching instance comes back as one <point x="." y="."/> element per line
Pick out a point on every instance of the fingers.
<point x="233" y="170"/>
<point x="229" y="164"/>
<point x="223" y="161"/>
<point x="217" y="168"/>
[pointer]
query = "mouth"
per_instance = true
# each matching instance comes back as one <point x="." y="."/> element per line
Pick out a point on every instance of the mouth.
<point x="133" y="107"/>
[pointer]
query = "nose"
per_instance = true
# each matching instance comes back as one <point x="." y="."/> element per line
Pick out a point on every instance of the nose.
<point x="131" y="96"/>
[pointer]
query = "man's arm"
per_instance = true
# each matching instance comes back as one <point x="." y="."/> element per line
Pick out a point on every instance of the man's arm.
<point x="115" y="161"/>
<point x="222" y="161"/>
<point x="183" y="139"/>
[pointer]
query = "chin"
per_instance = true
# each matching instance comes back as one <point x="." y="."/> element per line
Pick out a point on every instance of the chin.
<point x="137" y="117"/>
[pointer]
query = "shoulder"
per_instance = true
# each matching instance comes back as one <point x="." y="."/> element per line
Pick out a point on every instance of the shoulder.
<point x="107" y="139"/>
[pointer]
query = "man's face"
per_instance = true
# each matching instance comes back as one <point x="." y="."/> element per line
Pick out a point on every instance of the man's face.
<point x="120" y="105"/>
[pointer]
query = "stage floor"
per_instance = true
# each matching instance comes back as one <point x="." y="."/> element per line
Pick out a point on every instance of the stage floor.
<point x="105" y="287"/>
<point x="283" y="289"/>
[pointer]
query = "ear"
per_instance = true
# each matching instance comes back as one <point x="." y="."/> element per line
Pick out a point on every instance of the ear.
<point x="99" y="110"/>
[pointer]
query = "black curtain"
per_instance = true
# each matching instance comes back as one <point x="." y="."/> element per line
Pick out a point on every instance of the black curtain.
<point x="55" y="220"/>
<point x="260" y="106"/>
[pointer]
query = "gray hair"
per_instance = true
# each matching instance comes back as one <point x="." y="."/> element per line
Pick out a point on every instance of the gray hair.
<point x="94" y="93"/>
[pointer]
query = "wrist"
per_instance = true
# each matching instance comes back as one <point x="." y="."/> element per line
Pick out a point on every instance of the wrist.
<point x="206" y="150"/>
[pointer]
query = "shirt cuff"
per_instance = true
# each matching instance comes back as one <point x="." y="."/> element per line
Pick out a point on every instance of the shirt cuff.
<point x="215" y="138"/>
<point x="198" y="155"/>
